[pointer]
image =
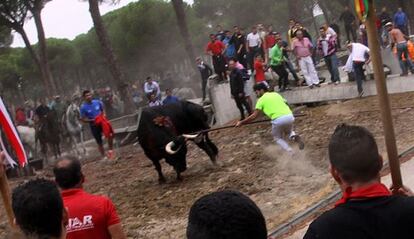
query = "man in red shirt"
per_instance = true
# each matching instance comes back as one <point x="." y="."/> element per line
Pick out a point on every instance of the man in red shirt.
<point x="216" y="48"/>
<point x="90" y="216"/>
<point x="259" y="69"/>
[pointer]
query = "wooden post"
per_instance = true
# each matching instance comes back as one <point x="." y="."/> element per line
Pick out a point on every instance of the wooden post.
<point x="6" y="195"/>
<point x="383" y="98"/>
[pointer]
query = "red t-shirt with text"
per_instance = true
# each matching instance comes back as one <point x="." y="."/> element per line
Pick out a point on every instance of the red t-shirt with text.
<point x="260" y="75"/>
<point x="89" y="215"/>
<point x="215" y="47"/>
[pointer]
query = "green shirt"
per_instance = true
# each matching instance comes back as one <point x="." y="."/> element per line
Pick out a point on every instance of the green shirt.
<point x="276" y="56"/>
<point x="273" y="105"/>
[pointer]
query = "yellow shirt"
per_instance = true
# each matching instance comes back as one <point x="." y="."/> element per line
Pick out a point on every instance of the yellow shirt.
<point x="273" y="105"/>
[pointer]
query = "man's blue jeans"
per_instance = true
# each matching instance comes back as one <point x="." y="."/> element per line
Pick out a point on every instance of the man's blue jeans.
<point x="332" y="64"/>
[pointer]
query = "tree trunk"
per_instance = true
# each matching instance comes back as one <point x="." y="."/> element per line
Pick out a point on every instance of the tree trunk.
<point x="182" y="25"/>
<point x="42" y="48"/>
<point x="109" y="54"/>
<point x="35" y="58"/>
<point x="325" y="12"/>
<point x="295" y="9"/>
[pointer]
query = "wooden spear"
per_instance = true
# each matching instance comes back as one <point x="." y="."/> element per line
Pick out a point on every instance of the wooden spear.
<point x="383" y="98"/>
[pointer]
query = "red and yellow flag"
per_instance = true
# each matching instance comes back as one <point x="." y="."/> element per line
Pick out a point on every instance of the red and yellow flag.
<point x="361" y="8"/>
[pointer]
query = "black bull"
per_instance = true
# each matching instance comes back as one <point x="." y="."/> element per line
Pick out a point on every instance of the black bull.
<point x="161" y="125"/>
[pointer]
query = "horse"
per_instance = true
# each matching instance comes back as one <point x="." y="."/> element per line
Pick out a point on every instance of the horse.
<point x="48" y="134"/>
<point x="74" y="127"/>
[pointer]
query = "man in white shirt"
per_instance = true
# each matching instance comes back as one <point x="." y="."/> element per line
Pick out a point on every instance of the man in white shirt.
<point x="152" y="87"/>
<point x="253" y="46"/>
<point x="358" y="58"/>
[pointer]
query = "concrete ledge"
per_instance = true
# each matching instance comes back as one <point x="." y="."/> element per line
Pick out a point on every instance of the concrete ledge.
<point x="346" y="91"/>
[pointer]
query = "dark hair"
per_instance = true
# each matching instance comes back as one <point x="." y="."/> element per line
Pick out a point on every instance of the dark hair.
<point x="260" y="87"/>
<point x="353" y="152"/>
<point x="85" y="92"/>
<point x="226" y="214"/>
<point x="38" y="208"/>
<point x="68" y="175"/>
<point x="226" y="31"/>
<point x="149" y="78"/>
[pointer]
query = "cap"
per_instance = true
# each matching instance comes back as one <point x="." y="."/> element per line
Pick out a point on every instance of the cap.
<point x="388" y="24"/>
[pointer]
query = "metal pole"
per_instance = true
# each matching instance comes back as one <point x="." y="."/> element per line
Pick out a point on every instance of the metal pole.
<point x="383" y="98"/>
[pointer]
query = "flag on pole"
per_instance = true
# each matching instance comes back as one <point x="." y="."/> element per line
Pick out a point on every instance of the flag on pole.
<point x="361" y="8"/>
<point x="12" y="136"/>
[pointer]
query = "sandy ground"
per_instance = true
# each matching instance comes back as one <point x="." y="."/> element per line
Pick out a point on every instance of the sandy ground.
<point x="281" y="185"/>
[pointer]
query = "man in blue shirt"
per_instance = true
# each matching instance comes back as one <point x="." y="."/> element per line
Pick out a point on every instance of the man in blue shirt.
<point x="228" y="41"/>
<point x="401" y="21"/>
<point x="90" y="110"/>
<point x="170" y="99"/>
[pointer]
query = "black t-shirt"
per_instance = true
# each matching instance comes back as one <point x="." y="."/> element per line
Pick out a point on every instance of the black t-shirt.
<point x="378" y="218"/>
<point x="239" y="39"/>
<point x="42" y="111"/>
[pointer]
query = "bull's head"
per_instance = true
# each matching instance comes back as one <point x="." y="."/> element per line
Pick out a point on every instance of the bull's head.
<point x="174" y="146"/>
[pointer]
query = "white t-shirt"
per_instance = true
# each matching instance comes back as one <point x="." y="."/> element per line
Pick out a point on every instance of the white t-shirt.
<point x="359" y="52"/>
<point x="150" y="88"/>
<point x="253" y="40"/>
<point x="331" y="31"/>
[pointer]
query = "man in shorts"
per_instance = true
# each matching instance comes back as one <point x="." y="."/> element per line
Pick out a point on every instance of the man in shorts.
<point x="275" y="107"/>
<point x="92" y="112"/>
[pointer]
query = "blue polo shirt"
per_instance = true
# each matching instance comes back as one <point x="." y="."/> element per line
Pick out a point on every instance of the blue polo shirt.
<point x="170" y="100"/>
<point x="91" y="110"/>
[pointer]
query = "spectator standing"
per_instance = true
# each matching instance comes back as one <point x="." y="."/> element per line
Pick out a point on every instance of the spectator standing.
<point x="349" y="22"/>
<point x="336" y="28"/>
<point x="228" y="41"/>
<point x="20" y="118"/>
<point x="367" y="208"/>
<point x="275" y="107"/>
<point x="270" y="39"/>
<point x="278" y="65"/>
<point x="220" y="35"/>
<point x="154" y="101"/>
<point x="240" y="45"/>
<point x="384" y="18"/>
<point x="259" y="68"/>
<point x="401" y="21"/>
<point x="253" y="46"/>
<point x="170" y="99"/>
<point x="206" y="72"/>
<point x="302" y="48"/>
<point x="92" y="112"/>
<point x="152" y="87"/>
<point x="39" y="211"/>
<point x="399" y="40"/>
<point x="90" y="216"/>
<point x="327" y="49"/>
<point x="363" y="36"/>
<point x="29" y="112"/>
<point x="291" y="31"/>
<point x="226" y="214"/>
<point x="215" y="49"/>
<point x="237" y="89"/>
<point x="288" y="62"/>
<point x="357" y="59"/>
<point x="42" y="110"/>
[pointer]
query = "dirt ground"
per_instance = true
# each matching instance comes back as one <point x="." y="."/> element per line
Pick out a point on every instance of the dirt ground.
<point x="281" y="185"/>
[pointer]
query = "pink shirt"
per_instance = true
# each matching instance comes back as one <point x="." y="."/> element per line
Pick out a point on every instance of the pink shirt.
<point x="239" y="66"/>
<point x="301" y="48"/>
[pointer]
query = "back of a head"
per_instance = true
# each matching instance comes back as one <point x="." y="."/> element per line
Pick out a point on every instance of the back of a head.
<point x="68" y="172"/>
<point x="38" y="209"/>
<point x="226" y="215"/>
<point x="353" y="152"/>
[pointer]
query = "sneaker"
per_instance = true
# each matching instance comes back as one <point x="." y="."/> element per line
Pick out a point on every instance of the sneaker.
<point x="318" y="85"/>
<point x="361" y="94"/>
<point x="110" y="154"/>
<point x="337" y="82"/>
<point x="311" y="86"/>
<point x="298" y="140"/>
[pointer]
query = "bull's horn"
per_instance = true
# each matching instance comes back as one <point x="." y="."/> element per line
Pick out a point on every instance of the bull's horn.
<point x="169" y="146"/>
<point x="190" y="136"/>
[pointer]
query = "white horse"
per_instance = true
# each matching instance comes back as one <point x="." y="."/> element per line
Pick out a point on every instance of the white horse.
<point x="74" y="127"/>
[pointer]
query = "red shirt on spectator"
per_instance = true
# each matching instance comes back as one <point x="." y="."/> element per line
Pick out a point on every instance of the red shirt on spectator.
<point x="270" y="41"/>
<point x="258" y="67"/>
<point x="215" y="47"/>
<point x="89" y="215"/>
<point x="20" y="117"/>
